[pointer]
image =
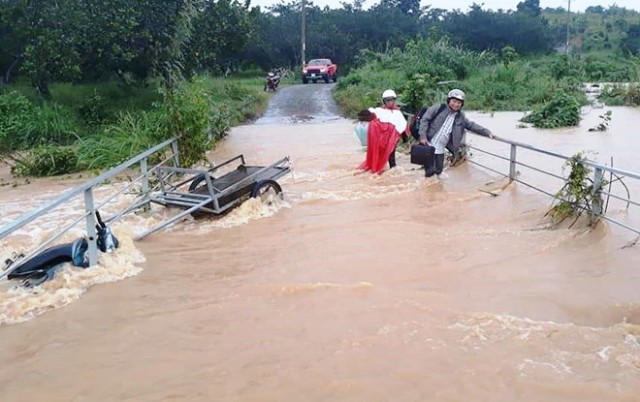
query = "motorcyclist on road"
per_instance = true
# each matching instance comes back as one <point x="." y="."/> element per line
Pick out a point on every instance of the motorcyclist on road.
<point x="272" y="81"/>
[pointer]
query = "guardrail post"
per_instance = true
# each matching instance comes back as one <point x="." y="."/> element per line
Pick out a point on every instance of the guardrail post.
<point x="91" y="227"/>
<point x="144" y="170"/>
<point x="176" y="154"/>
<point x="596" y="196"/>
<point x="512" y="163"/>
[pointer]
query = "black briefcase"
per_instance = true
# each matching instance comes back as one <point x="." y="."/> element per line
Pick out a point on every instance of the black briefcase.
<point x="422" y="154"/>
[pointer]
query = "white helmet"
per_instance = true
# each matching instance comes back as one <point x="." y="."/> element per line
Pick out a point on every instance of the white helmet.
<point x="389" y="93"/>
<point x="456" y="94"/>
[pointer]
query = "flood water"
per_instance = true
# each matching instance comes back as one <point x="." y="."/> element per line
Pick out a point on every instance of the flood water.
<point x="355" y="287"/>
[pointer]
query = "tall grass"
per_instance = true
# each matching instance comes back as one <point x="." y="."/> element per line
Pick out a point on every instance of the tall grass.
<point x="128" y="136"/>
<point x="106" y="123"/>
<point x="23" y="125"/>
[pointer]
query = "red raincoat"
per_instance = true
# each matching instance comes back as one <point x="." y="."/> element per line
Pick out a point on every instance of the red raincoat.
<point x="381" y="141"/>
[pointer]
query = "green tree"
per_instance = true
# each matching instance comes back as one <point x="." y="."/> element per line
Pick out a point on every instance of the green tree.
<point x="485" y="30"/>
<point x="406" y="6"/>
<point x="221" y="31"/>
<point x="50" y="53"/>
<point x="529" y="7"/>
<point x="631" y="42"/>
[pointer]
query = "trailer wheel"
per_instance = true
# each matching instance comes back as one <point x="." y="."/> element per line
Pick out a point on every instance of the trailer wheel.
<point x="199" y="182"/>
<point x="266" y="190"/>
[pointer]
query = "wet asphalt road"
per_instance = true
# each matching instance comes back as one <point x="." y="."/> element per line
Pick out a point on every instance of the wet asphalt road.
<point x="300" y="103"/>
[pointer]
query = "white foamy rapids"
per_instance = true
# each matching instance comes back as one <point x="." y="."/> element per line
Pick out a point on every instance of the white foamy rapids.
<point x="18" y="304"/>
<point x="26" y="239"/>
<point x="360" y="192"/>
<point x="65" y="213"/>
<point x="557" y="350"/>
<point x="250" y="210"/>
<point x="318" y="177"/>
<point x="392" y="182"/>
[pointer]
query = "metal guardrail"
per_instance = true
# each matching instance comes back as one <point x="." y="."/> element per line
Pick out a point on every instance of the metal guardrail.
<point x="89" y="205"/>
<point x="598" y="209"/>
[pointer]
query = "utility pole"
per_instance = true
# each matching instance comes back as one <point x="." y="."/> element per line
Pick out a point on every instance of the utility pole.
<point x="303" y="34"/>
<point x="566" y="47"/>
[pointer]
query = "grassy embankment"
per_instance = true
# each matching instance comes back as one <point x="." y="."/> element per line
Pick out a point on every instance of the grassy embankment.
<point x="97" y="126"/>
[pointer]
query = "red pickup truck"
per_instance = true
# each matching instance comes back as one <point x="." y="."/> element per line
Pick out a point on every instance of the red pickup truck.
<point x="320" y="69"/>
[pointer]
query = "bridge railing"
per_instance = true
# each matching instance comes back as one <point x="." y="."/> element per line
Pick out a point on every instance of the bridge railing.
<point x="600" y="195"/>
<point x="165" y="153"/>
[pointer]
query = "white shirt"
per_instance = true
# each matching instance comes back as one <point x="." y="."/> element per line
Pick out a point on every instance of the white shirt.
<point x="440" y="140"/>
<point x="393" y="116"/>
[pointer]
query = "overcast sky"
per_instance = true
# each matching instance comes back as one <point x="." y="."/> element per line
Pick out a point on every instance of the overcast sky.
<point x="576" y="5"/>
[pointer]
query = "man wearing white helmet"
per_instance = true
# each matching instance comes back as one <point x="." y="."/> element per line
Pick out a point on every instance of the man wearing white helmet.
<point x="443" y="127"/>
<point x="390" y="113"/>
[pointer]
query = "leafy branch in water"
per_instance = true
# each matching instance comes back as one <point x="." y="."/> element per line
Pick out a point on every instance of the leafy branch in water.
<point x="577" y="195"/>
<point x="604" y="123"/>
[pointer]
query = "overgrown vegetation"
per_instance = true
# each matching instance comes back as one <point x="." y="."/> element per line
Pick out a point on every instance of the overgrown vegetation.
<point x="54" y="139"/>
<point x="46" y="161"/>
<point x="426" y="70"/>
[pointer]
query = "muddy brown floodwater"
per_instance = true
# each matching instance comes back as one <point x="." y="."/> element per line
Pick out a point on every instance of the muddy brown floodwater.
<point x="354" y="287"/>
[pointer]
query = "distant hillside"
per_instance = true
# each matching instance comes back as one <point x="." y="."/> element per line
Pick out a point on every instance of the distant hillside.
<point x="597" y="29"/>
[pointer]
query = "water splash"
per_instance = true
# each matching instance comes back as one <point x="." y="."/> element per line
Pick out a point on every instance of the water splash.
<point x="19" y="304"/>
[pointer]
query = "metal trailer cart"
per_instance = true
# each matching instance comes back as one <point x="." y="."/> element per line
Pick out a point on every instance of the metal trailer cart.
<point x="202" y="192"/>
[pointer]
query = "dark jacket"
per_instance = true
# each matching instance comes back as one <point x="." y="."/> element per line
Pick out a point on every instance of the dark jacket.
<point x="432" y="121"/>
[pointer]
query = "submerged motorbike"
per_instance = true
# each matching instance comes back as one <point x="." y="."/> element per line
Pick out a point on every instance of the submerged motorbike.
<point x="44" y="265"/>
<point x="271" y="82"/>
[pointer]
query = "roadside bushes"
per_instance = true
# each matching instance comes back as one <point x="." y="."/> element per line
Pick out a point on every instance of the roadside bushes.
<point x="94" y="110"/>
<point x="422" y="74"/>
<point x="15" y="113"/>
<point x="23" y="125"/>
<point x="185" y="114"/>
<point x="95" y="130"/>
<point x="129" y="135"/>
<point x="46" y="161"/>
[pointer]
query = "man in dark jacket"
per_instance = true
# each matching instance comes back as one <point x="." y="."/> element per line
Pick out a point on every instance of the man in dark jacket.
<point x="443" y="127"/>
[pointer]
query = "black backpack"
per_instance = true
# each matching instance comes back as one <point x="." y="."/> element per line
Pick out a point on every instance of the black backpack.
<point x="414" y="123"/>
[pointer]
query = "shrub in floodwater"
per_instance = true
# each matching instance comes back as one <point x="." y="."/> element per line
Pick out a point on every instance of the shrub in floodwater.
<point x="562" y="111"/>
